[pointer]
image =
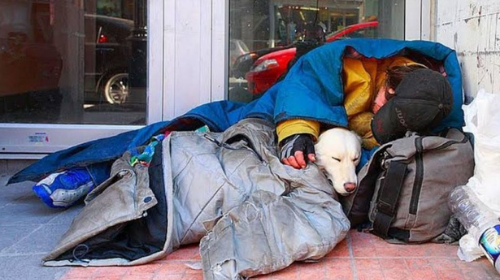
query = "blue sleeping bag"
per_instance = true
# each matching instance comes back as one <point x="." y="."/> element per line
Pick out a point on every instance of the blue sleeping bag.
<point x="311" y="90"/>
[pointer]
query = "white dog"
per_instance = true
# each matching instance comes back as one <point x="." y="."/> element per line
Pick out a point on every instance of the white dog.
<point x="338" y="152"/>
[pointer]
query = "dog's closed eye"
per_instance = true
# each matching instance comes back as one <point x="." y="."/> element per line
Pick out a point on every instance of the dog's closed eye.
<point x="339" y="160"/>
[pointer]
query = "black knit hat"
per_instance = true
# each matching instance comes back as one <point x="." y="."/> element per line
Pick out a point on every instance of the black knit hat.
<point x="422" y="100"/>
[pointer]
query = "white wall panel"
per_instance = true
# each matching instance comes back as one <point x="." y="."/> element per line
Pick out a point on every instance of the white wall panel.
<point x="194" y="54"/>
<point x="220" y="49"/>
<point x="427" y="15"/>
<point x="472" y="28"/>
<point x="155" y="61"/>
<point x="413" y="20"/>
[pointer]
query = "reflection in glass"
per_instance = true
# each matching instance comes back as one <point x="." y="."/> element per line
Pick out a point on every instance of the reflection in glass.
<point x="277" y="33"/>
<point x="70" y="62"/>
<point x="107" y="54"/>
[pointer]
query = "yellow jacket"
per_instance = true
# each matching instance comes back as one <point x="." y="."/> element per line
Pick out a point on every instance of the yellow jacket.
<point x="362" y="80"/>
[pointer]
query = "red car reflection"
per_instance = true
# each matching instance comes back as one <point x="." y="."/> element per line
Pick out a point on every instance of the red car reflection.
<point x="267" y="69"/>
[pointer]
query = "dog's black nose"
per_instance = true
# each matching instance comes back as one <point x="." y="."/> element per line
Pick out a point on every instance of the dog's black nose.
<point x="349" y="187"/>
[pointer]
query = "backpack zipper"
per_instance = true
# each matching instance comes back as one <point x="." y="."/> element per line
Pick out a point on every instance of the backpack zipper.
<point x="419" y="176"/>
<point x="451" y="142"/>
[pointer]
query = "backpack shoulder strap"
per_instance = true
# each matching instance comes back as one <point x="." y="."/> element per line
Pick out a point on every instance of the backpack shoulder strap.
<point x="388" y="198"/>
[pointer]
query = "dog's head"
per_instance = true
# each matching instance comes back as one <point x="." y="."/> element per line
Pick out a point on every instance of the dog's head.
<point x="338" y="152"/>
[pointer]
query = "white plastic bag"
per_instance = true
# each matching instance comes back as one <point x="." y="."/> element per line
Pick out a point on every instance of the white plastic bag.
<point x="468" y="250"/>
<point x="482" y="118"/>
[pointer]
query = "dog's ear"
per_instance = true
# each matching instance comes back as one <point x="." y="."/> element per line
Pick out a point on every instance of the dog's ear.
<point x="360" y="140"/>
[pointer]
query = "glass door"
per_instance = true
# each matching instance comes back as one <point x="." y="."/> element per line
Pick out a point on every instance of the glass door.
<point x="71" y="71"/>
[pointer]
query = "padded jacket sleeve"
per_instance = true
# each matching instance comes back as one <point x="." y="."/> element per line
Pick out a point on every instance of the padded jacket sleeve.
<point x="269" y="232"/>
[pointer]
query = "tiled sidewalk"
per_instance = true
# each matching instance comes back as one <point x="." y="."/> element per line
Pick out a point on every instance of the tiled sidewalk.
<point x="360" y="256"/>
<point x="29" y="230"/>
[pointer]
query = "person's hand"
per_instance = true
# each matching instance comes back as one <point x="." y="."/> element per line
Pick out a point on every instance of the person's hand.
<point x="297" y="150"/>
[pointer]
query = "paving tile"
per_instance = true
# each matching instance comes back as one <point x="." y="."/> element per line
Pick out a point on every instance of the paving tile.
<point x="193" y="277"/>
<point x="29" y="198"/>
<point x="341" y="250"/>
<point x="19" y="193"/>
<point x="26" y="213"/>
<point x="191" y="252"/>
<point x="11" y="192"/>
<point x="195" y="271"/>
<point x="478" y="264"/>
<point x="378" y="242"/>
<point x="448" y="274"/>
<point x="416" y="250"/>
<point x="340" y="275"/>
<point x="361" y="237"/>
<point x="367" y="264"/>
<point x="478" y="269"/>
<point x="172" y="268"/>
<point x="364" y="252"/>
<point x="396" y="274"/>
<point x="311" y="271"/>
<point x="170" y="277"/>
<point x="112" y="271"/>
<point x="418" y="264"/>
<point x="337" y="264"/>
<point x="28" y="267"/>
<point x="371" y="275"/>
<point x="440" y="250"/>
<point x="338" y="268"/>
<point x="422" y="274"/>
<point x="150" y="268"/>
<point x="66" y="216"/>
<point x="392" y="263"/>
<point x="81" y="273"/>
<point x="444" y="264"/>
<point x="107" y="277"/>
<point x="288" y="273"/>
<point x="40" y="241"/>
<point x="138" y="276"/>
<point x="12" y="234"/>
<point x="392" y="250"/>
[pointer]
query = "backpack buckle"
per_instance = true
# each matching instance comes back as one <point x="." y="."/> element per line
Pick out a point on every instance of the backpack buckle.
<point x="385" y="208"/>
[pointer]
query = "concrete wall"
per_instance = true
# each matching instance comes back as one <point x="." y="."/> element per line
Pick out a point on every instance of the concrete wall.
<point x="472" y="28"/>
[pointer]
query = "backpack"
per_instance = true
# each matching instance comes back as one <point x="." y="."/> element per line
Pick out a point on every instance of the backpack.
<point x="403" y="189"/>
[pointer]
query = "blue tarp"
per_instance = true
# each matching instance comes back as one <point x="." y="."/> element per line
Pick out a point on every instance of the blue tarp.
<point x="311" y="90"/>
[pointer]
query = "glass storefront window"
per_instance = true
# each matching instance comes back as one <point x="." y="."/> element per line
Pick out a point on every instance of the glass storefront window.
<point x="277" y="32"/>
<point x="73" y="62"/>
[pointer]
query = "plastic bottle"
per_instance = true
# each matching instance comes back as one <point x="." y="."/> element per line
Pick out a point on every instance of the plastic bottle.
<point x="481" y="223"/>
